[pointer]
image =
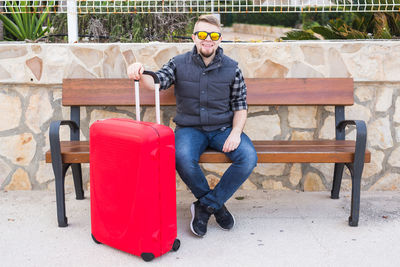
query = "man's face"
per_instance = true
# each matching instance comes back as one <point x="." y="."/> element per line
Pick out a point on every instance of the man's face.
<point x="206" y="47"/>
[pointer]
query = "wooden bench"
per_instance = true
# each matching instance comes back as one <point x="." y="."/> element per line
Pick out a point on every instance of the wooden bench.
<point x="336" y="92"/>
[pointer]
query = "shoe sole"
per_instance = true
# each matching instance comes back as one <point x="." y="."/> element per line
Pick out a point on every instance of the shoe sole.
<point x="234" y="222"/>
<point x="191" y="222"/>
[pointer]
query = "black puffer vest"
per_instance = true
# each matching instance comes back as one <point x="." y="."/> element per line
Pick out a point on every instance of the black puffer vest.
<point x="203" y="93"/>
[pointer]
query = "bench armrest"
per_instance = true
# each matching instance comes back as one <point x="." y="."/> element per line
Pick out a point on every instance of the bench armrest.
<point x="54" y="136"/>
<point x="361" y="137"/>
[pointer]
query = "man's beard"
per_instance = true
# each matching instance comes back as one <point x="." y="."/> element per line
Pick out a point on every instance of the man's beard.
<point x="206" y="55"/>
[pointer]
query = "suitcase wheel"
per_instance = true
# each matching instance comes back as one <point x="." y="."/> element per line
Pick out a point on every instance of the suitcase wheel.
<point x="176" y="245"/>
<point x="147" y="256"/>
<point x="95" y="240"/>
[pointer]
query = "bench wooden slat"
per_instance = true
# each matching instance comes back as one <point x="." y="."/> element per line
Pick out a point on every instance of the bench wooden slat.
<point x="283" y="92"/>
<point x="320" y="151"/>
<point x="73" y="152"/>
<point x="300" y="92"/>
<point x="109" y="92"/>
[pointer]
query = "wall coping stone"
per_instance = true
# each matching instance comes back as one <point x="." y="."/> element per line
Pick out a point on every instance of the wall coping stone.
<point x="366" y="61"/>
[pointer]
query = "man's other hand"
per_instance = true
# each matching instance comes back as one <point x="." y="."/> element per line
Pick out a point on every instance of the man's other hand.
<point x="232" y="142"/>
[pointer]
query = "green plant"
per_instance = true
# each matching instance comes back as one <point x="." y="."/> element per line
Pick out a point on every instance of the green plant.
<point x="25" y="22"/>
<point x="364" y="26"/>
<point x="129" y="27"/>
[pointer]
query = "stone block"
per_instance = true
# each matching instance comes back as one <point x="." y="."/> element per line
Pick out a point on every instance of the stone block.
<point x="297" y="135"/>
<point x="313" y="182"/>
<point x="90" y="57"/>
<point x="98" y="114"/>
<point x="12" y="51"/>
<point x="37" y="49"/>
<point x="270" y="69"/>
<point x="302" y="117"/>
<point x="379" y="133"/>
<point x="326" y="169"/>
<point x="4" y="74"/>
<point x="376" y="164"/>
<point x="397" y="130"/>
<point x="328" y="129"/>
<point x="75" y="70"/>
<point x="54" y="74"/>
<point x="274" y="185"/>
<point x="337" y="67"/>
<point x="383" y="99"/>
<point x="164" y="55"/>
<point x="295" y="174"/>
<point x="20" y="149"/>
<point x="219" y="168"/>
<point x="45" y="172"/>
<point x="256" y="130"/>
<point x="180" y="185"/>
<point x="10" y="112"/>
<point x="389" y="182"/>
<point x="114" y="65"/>
<point x="394" y="158"/>
<point x="39" y="110"/>
<point x="57" y="94"/>
<point x="270" y="169"/>
<point x="390" y="65"/>
<point x="310" y="52"/>
<point x="24" y="90"/>
<point x="351" y="48"/>
<point x="364" y="93"/>
<point x="255" y="109"/>
<point x="396" y="116"/>
<point x="150" y="114"/>
<point x="4" y="171"/>
<point x="301" y="70"/>
<point x="129" y="57"/>
<point x="19" y="181"/>
<point x="35" y="64"/>
<point x="330" y="109"/>
<point x="358" y="112"/>
<point x="212" y="181"/>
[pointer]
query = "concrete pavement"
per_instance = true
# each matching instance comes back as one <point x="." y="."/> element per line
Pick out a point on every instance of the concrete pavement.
<point x="272" y="229"/>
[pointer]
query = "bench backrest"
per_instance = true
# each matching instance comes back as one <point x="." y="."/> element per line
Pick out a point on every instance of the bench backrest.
<point x="288" y="91"/>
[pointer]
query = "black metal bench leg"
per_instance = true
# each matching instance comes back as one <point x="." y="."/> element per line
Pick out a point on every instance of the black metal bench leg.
<point x="337" y="180"/>
<point x="355" y="194"/>
<point x="77" y="174"/>
<point x="60" y="194"/>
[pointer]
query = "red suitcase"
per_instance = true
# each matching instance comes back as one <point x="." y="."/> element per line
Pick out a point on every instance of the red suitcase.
<point x="132" y="184"/>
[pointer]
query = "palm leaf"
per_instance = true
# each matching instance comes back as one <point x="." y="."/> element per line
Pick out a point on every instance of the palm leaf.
<point x="299" y="35"/>
<point x="354" y="34"/>
<point x="11" y="27"/>
<point x="327" y="32"/>
<point x="17" y="17"/>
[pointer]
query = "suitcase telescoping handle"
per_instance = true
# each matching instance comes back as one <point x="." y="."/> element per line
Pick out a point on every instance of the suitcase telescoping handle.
<point x="157" y="95"/>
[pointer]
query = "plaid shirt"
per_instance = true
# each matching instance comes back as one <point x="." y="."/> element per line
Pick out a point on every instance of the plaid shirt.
<point x="238" y="88"/>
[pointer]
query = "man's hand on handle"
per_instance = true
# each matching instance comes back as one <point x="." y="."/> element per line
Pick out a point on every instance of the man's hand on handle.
<point x="135" y="71"/>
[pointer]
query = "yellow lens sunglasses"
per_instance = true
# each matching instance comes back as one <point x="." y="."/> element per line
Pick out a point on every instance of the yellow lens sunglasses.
<point x="213" y="35"/>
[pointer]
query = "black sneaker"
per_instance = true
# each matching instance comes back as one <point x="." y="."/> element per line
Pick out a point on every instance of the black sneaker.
<point x="224" y="218"/>
<point x="200" y="217"/>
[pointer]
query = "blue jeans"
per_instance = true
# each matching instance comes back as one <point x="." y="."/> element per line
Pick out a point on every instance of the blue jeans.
<point x="190" y="143"/>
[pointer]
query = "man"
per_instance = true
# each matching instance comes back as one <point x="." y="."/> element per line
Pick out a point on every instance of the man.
<point x="211" y="111"/>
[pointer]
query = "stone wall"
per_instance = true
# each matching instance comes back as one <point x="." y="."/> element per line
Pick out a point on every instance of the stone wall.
<point x="30" y="98"/>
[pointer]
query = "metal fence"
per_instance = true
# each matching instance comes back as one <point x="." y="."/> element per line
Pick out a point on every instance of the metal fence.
<point x="200" y="6"/>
